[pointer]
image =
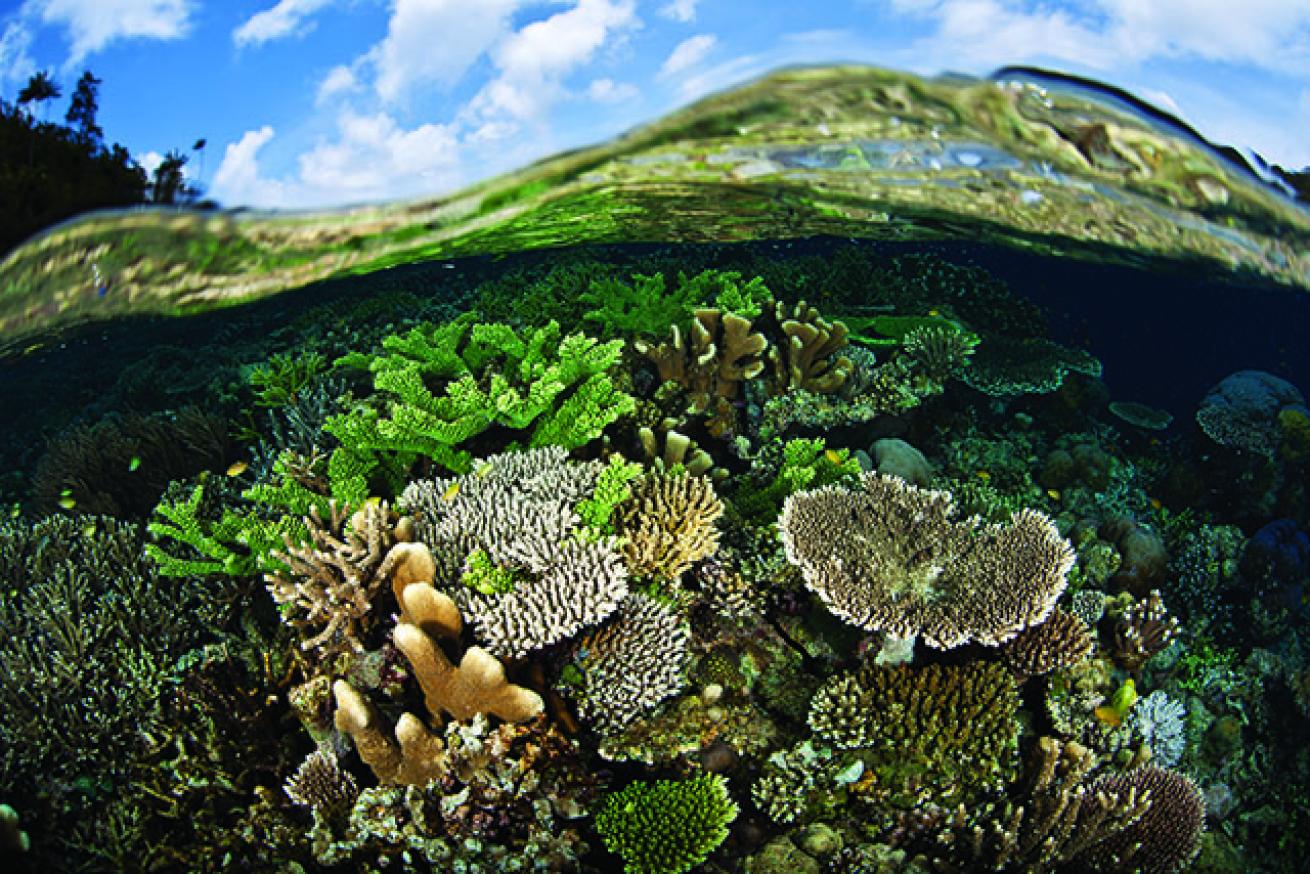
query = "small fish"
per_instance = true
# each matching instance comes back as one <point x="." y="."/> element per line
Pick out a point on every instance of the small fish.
<point x="984" y="475"/>
<point x="483" y="469"/>
<point x="833" y="455"/>
<point x="934" y="313"/>
<point x="68" y="502"/>
<point x="1053" y="494"/>
<point x="237" y="468"/>
<point x="1156" y="504"/>
<point x="451" y="492"/>
<point x="1108" y="715"/>
<point x="134" y="464"/>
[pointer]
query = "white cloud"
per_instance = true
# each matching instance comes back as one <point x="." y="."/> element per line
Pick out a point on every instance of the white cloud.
<point x="371" y="158"/>
<point x="93" y="24"/>
<point x="1107" y="34"/>
<point x="436" y="41"/>
<point x="533" y="62"/>
<point x="15" y="62"/>
<point x="339" y="80"/>
<point x="238" y="181"/>
<point x="680" y="10"/>
<point x="286" y="18"/>
<point x="687" y="54"/>
<point x="149" y="161"/>
<point x="609" y="91"/>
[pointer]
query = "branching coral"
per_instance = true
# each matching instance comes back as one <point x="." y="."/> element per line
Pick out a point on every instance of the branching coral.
<point x="629" y="664"/>
<point x="890" y="557"/>
<point x="1142" y="631"/>
<point x="519" y="510"/>
<point x="667" y="827"/>
<point x="668" y="524"/>
<point x="330" y="584"/>
<point x="1059" y="642"/>
<point x="950" y="728"/>
<point x="805" y="356"/>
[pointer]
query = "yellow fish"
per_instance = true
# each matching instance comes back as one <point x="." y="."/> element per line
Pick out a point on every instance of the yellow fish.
<point x="1053" y="494"/>
<point x="68" y="502"/>
<point x="483" y="469"/>
<point x="237" y="468"/>
<point x="984" y="475"/>
<point x="833" y="455"/>
<point x="1156" y="503"/>
<point x="451" y="492"/>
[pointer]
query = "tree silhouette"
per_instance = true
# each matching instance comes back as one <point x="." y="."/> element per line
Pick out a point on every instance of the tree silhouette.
<point x="39" y="89"/>
<point x="168" y="184"/>
<point x="81" y="116"/>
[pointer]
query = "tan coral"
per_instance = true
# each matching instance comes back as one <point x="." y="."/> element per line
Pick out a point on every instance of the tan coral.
<point x="807" y="358"/>
<point x="719" y="353"/>
<point x="668" y="524"/>
<point x="413" y="756"/>
<point x="477" y="685"/>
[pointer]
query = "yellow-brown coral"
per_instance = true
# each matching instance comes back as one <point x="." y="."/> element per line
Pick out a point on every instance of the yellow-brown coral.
<point x="807" y="358"/>
<point x="669" y="523"/>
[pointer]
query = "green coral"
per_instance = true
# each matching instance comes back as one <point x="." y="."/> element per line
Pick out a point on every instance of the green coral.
<point x="669" y="826"/>
<point x="644" y="307"/>
<point x="441" y="385"/>
<point x="611" y="490"/>
<point x="801" y="463"/>
<point x="236" y="543"/>
<point x="278" y="382"/>
<point x="483" y="575"/>
<point x="887" y="331"/>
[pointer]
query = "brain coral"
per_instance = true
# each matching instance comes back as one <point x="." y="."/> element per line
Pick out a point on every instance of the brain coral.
<point x="891" y="557"/>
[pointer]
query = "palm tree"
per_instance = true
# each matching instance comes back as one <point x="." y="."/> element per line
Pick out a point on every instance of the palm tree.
<point x="39" y="89"/>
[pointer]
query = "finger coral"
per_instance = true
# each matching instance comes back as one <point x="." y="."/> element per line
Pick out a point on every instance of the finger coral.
<point x="891" y="557"/>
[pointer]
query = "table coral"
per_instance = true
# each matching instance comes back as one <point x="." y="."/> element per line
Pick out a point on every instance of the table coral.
<point x="891" y="557"/>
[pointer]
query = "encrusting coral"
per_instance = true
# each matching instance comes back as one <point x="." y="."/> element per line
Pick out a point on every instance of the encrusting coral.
<point x="891" y="557"/>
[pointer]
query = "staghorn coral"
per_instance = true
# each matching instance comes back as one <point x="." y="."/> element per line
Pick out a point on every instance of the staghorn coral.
<point x="519" y="510"/>
<point x="951" y="728"/>
<point x="629" y="664"/>
<point x="667" y="827"/>
<point x="1142" y="631"/>
<point x="891" y="557"/>
<point x="321" y="785"/>
<point x="1059" y="642"/>
<point x="1165" y="837"/>
<point x="1056" y="820"/>
<point x="668" y="524"/>
<point x="328" y="588"/>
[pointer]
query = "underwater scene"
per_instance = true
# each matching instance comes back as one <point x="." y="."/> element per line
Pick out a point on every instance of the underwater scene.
<point x="849" y="472"/>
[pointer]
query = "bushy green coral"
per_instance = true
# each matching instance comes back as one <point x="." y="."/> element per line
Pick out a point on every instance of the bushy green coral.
<point x="236" y="543"/>
<point x="441" y="385"/>
<point x="745" y="299"/>
<point x="644" y="307"/>
<point x="277" y="382"/>
<point x="669" y="826"/>
<point x="800" y="463"/>
<point x="890" y="331"/>
<point x="483" y="575"/>
<point x="611" y="490"/>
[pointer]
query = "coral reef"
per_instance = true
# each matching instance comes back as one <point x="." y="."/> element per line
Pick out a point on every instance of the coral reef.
<point x="668" y="524"/>
<point x="1061" y="641"/>
<point x="891" y="557"/>
<point x="667" y="827"/>
<point x="1242" y="410"/>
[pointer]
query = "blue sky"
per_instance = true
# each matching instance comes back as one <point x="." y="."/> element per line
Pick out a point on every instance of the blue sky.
<point x="308" y="103"/>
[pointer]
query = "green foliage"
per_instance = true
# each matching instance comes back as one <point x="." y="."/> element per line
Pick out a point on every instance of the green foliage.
<point x="733" y="296"/>
<point x="277" y="382"/>
<point x="441" y="385"/>
<point x="483" y="575"/>
<point x="804" y="464"/>
<point x="236" y="543"/>
<point x="611" y="490"/>
<point x="890" y="331"/>
<point x="669" y="826"/>
<point x="646" y="308"/>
